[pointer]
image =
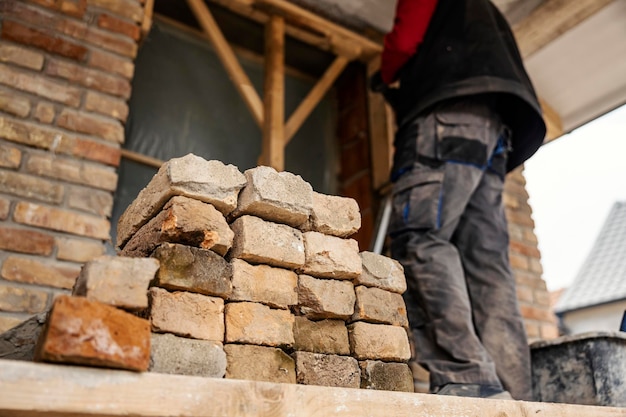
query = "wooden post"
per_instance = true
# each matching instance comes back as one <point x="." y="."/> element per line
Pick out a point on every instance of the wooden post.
<point x="273" y="148"/>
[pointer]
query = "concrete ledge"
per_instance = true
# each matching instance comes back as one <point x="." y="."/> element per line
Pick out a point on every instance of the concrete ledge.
<point x="35" y="389"/>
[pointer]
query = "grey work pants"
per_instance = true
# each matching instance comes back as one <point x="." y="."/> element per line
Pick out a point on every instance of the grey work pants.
<point x="449" y="232"/>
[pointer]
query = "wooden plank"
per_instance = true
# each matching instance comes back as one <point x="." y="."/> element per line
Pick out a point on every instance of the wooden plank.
<point x="146" y="24"/>
<point x="228" y="59"/>
<point x="141" y="158"/>
<point x="35" y="390"/>
<point x="553" y="121"/>
<point x="313" y="98"/>
<point x="273" y="148"/>
<point x="550" y="20"/>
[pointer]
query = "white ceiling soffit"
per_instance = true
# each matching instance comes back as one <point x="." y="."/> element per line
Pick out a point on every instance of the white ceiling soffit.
<point x="582" y="73"/>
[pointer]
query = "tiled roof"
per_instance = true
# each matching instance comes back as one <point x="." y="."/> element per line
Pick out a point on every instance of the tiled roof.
<point x="602" y="278"/>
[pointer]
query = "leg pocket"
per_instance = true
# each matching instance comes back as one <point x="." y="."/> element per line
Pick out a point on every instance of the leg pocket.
<point x="463" y="135"/>
<point x="416" y="200"/>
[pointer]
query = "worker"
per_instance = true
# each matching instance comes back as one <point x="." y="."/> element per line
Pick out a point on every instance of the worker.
<point x="467" y="114"/>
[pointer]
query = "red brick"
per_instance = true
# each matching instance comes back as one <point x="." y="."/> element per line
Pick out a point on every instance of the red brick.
<point x="106" y="21"/>
<point x="61" y="220"/>
<point x="13" y="103"/>
<point x="87" y="332"/>
<point x="78" y="250"/>
<point x="44" y="113"/>
<point x="21" y="56"/>
<point x="25" y="241"/>
<point x="129" y="9"/>
<point x="542" y="298"/>
<point x="92" y="150"/>
<point x="525" y="294"/>
<point x="532" y="330"/>
<point x="39" y="85"/>
<point x="107" y="105"/>
<point x="10" y="157"/>
<point x="5" y="206"/>
<point x="518" y="262"/>
<point x="22" y="300"/>
<point x="45" y="40"/>
<point x="94" y="125"/>
<point x="71" y="170"/>
<point x="535" y="266"/>
<point x="88" y="77"/>
<point x="32" y="271"/>
<point x="30" y="186"/>
<point x="549" y="331"/>
<point x="536" y="313"/>
<point x="111" y="63"/>
<point x="524" y="249"/>
<point x="74" y="8"/>
<point x="90" y="200"/>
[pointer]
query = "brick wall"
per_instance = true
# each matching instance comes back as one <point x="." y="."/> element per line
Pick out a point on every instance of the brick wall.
<point x="65" y="71"/>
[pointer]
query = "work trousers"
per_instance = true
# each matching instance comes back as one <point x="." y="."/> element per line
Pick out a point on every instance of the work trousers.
<point x="449" y="231"/>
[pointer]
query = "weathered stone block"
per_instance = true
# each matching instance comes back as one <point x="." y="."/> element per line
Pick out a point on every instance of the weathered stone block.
<point x="325" y="298"/>
<point x="87" y="332"/>
<point x="379" y="341"/>
<point x="331" y="257"/>
<point x="280" y="197"/>
<point x="187" y="314"/>
<point x="191" y="176"/>
<point x="325" y="336"/>
<point x="379" y="306"/>
<point x="259" y="363"/>
<point x="275" y="287"/>
<point x="178" y="355"/>
<point x="186" y="221"/>
<point x="381" y="272"/>
<point x="19" y="342"/>
<point x="258" y="241"/>
<point x="193" y="269"/>
<point x="327" y="370"/>
<point x="386" y="376"/>
<point x="333" y="215"/>
<point x="121" y="282"/>
<point x="258" y="324"/>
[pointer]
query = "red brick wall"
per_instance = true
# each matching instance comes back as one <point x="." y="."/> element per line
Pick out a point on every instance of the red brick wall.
<point x="65" y="71"/>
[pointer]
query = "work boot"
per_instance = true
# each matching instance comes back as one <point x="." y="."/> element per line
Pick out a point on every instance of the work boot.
<point x="494" y="392"/>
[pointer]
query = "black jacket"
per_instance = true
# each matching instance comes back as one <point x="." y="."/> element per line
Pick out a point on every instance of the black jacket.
<point x="469" y="49"/>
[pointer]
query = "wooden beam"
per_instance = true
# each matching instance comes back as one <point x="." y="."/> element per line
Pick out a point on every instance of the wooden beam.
<point x="553" y="121"/>
<point x="228" y="59"/>
<point x="313" y="98"/>
<point x="141" y="158"/>
<point x="146" y="24"/>
<point x="38" y="390"/>
<point x="273" y="148"/>
<point x="552" y="19"/>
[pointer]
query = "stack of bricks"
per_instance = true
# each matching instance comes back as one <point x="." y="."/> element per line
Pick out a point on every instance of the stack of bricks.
<point x="258" y="280"/>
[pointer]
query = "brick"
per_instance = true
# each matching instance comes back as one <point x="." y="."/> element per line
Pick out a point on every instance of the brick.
<point x="112" y="63"/>
<point x="259" y="363"/>
<point x="333" y="215"/>
<point x="25" y="241"/>
<point x="21" y="56"/>
<point x="31" y="271"/>
<point x="44" y="113"/>
<point x="117" y="281"/>
<point x="258" y="241"/>
<point x="85" y="332"/>
<point x="325" y="298"/>
<point x="534" y="265"/>
<point x="61" y="220"/>
<point x="13" y="103"/>
<point x="190" y="176"/>
<point x="331" y="257"/>
<point x="111" y="130"/>
<point x="5" y="207"/>
<point x="88" y="77"/>
<point x="279" y="197"/>
<point x="186" y="221"/>
<point x="92" y="150"/>
<point x="126" y="8"/>
<point x="71" y="170"/>
<point x="374" y="305"/>
<point x="386" y="376"/>
<point x="22" y="300"/>
<point x="7" y="323"/>
<point x="520" y="218"/>
<point x="74" y="8"/>
<point x="106" y="105"/>
<point x="187" y="314"/>
<point x="536" y="313"/>
<point x="274" y="287"/>
<point x="90" y="200"/>
<point x="170" y="354"/>
<point x="106" y="21"/>
<point x="542" y="298"/>
<point x="327" y="370"/>
<point x="519" y="262"/>
<point x="10" y="157"/>
<point x="78" y="250"/>
<point x="525" y="294"/>
<point x="257" y="324"/>
<point x="549" y="331"/>
<point x="193" y="269"/>
<point x="324" y="336"/>
<point x="524" y="249"/>
<point x="532" y="330"/>
<point x="379" y="342"/>
<point x="30" y="186"/>
<point x="43" y="39"/>
<point x="381" y="272"/>
<point x="40" y="86"/>
<point x="28" y="134"/>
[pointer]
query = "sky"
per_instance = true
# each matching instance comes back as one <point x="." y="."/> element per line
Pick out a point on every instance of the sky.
<point x="573" y="182"/>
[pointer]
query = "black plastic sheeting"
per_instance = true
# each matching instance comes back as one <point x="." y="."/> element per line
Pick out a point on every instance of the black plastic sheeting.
<point x="183" y="102"/>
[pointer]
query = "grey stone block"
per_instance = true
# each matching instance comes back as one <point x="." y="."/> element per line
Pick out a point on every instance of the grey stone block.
<point x="170" y="354"/>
